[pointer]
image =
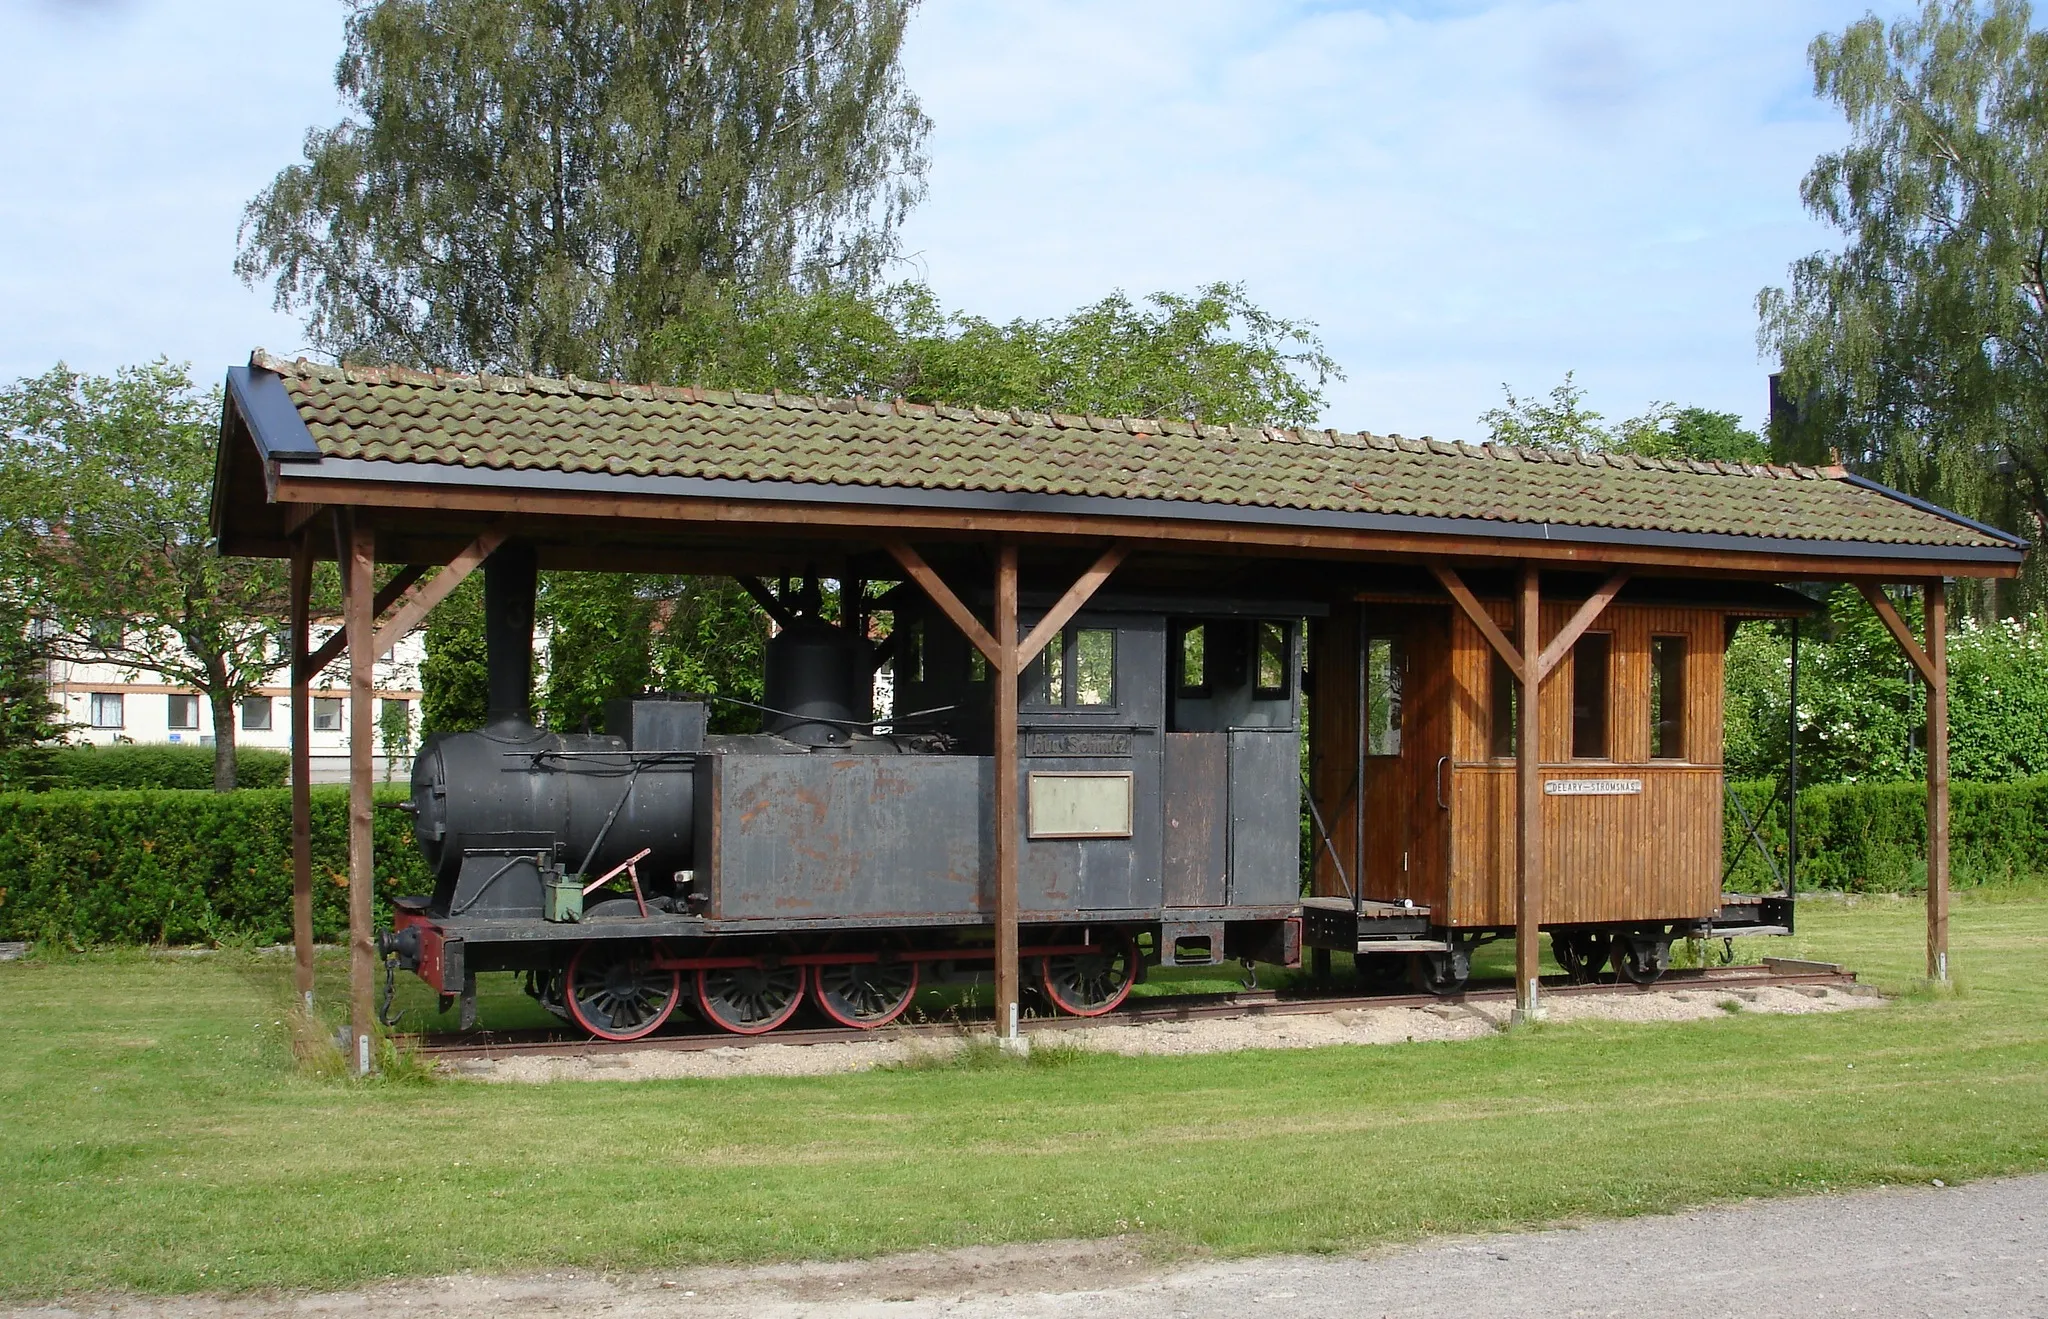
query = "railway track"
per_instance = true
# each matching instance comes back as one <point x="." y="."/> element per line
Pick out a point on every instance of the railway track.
<point x="1182" y="1007"/>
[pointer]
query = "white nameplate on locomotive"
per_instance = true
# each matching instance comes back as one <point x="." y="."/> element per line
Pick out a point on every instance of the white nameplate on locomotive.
<point x="1592" y="787"/>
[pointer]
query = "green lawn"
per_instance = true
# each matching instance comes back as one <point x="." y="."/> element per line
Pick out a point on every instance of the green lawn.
<point x="157" y="1137"/>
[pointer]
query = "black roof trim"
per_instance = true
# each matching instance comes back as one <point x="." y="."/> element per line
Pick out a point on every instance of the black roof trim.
<point x="386" y="471"/>
<point x="1914" y="502"/>
<point x="273" y="419"/>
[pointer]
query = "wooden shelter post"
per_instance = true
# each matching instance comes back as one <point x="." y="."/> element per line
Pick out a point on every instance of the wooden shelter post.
<point x="1529" y="795"/>
<point x="302" y="767"/>
<point x="1931" y="661"/>
<point x="359" y="576"/>
<point x="1007" y="835"/>
<point x="1937" y="781"/>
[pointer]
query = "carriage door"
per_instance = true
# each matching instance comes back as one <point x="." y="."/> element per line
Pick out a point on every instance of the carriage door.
<point x="1233" y="748"/>
<point x="1401" y="692"/>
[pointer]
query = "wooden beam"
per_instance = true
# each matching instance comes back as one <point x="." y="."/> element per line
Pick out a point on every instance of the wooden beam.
<point x="770" y="604"/>
<point x="1480" y="618"/>
<point x="296" y="516"/>
<point x="1070" y="604"/>
<point x="1561" y="644"/>
<point x="1529" y="814"/>
<point x="1009" y="836"/>
<point x="942" y="595"/>
<point x="359" y="571"/>
<point x="420" y="599"/>
<point x="1937" y="781"/>
<point x="302" y="769"/>
<point x="880" y="523"/>
<point x="331" y="649"/>
<point x="1888" y="614"/>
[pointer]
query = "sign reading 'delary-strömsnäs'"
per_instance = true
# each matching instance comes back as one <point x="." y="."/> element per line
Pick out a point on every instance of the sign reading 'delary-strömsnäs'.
<point x="1592" y="787"/>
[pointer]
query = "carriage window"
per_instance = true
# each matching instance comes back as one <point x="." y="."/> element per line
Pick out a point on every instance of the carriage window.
<point x="1045" y="679"/>
<point x="1273" y="657"/>
<point x="1383" y="666"/>
<point x="1194" y="666"/>
<point x="1591" y="667"/>
<point x="1503" y="694"/>
<point x="1094" y="666"/>
<point x="1667" y="698"/>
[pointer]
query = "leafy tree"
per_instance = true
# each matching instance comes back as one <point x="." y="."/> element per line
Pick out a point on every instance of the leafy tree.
<point x="454" y="675"/>
<point x="104" y="489"/>
<point x="1563" y="421"/>
<point x="1213" y="355"/>
<point x="1919" y="351"/>
<point x="533" y="185"/>
<point x="29" y="730"/>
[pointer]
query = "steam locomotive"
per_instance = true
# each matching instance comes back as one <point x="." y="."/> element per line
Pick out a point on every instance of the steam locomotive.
<point x="837" y="861"/>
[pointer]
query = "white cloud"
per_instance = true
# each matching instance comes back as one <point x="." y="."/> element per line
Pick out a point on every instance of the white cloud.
<point x="1460" y="194"/>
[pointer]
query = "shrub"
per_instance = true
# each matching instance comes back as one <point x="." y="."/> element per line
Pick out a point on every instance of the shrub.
<point x="1872" y="837"/>
<point x="162" y="766"/>
<point x="183" y="867"/>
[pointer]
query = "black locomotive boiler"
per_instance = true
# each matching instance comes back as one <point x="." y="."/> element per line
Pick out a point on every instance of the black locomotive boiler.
<point x="833" y="861"/>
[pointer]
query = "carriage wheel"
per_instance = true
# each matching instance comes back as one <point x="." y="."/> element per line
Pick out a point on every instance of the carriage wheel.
<point x="1440" y="973"/>
<point x="1641" y="961"/>
<point x="864" y="995"/>
<point x="1091" y="983"/>
<point x="1582" y="953"/>
<point x="750" y="1000"/>
<point x="615" y="995"/>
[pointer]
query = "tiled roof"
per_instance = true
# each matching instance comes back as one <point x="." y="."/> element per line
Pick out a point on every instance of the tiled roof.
<point x="533" y="424"/>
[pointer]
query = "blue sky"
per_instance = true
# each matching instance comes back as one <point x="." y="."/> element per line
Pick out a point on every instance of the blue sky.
<point x="1458" y="194"/>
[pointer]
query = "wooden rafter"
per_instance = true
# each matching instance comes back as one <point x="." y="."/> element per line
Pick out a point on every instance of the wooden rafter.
<point x="331" y="648"/>
<point x="1070" y="604"/>
<point x="942" y="595"/>
<point x="1561" y="644"/>
<point x="1888" y="613"/>
<point x="420" y="599"/>
<point x="1480" y="618"/>
<point x="765" y="598"/>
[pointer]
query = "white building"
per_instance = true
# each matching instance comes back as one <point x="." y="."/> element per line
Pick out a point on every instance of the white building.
<point x="111" y="703"/>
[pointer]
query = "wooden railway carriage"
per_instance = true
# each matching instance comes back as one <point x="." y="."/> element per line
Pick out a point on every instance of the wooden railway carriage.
<point x="1002" y="530"/>
<point x="1414" y="776"/>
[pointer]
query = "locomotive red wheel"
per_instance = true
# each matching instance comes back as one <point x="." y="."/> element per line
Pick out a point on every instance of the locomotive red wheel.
<point x="864" y="995"/>
<point x="612" y="992"/>
<point x="1091" y="983"/>
<point x="750" y="1000"/>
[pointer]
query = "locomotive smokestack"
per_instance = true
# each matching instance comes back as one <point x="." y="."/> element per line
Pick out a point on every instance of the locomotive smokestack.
<point x="510" y="575"/>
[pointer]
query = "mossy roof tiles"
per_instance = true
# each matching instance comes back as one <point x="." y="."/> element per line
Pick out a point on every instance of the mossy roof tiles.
<point x="574" y="426"/>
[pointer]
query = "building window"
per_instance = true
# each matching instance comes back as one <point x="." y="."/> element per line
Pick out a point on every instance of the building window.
<point x="1504" y="697"/>
<point x="1667" y="698"/>
<point x="1592" y="662"/>
<point x="326" y="714"/>
<point x="255" y="714"/>
<point x="106" y="710"/>
<point x="1275" y="677"/>
<point x="184" y="712"/>
<point x="1383" y="672"/>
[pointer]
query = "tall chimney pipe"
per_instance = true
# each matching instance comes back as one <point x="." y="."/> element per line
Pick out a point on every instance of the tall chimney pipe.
<point x="510" y="575"/>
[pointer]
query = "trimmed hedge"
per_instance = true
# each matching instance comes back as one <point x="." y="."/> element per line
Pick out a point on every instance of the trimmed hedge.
<point x="191" y="867"/>
<point x="1872" y="837"/>
<point x="162" y="766"/>
<point x="184" y="867"/>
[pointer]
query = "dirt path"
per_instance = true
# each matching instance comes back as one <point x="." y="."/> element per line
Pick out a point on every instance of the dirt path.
<point x="1974" y="1250"/>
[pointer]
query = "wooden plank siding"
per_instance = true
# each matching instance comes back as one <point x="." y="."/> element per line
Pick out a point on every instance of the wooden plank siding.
<point x="1333" y="739"/>
<point x="1653" y="856"/>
